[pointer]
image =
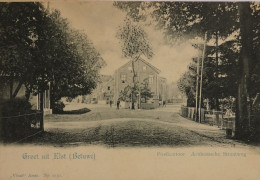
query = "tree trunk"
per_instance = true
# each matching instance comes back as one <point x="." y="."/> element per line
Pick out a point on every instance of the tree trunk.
<point x="217" y="104"/>
<point x="242" y="111"/>
<point x="201" y="74"/>
<point x="197" y="89"/>
<point x="41" y="93"/>
<point x="217" y="100"/>
<point x="133" y="69"/>
<point x="41" y="109"/>
<point x="52" y="96"/>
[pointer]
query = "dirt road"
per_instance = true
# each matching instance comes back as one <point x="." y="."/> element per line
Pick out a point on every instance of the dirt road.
<point x="119" y="128"/>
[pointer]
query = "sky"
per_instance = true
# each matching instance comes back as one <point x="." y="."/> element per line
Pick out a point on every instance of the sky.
<point x="101" y="20"/>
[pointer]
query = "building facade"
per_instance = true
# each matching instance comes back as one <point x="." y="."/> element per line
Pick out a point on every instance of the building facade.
<point x="123" y="77"/>
<point x="104" y="92"/>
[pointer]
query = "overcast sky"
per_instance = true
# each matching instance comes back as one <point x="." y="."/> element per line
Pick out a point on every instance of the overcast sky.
<point x="100" y="21"/>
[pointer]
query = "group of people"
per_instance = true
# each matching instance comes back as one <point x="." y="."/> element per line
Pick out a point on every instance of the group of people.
<point x="118" y="103"/>
<point x="163" y="104"/>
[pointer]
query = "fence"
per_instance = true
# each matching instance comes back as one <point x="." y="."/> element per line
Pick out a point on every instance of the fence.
<point x="210" y="117"/>
<point x="21" y="126"/>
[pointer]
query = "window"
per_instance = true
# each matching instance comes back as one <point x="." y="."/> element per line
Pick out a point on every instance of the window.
<point x="144" y="68"/>
<point x="123" y="78"/>
<point x="108" y="88"/>
<point x="150" y="79"/>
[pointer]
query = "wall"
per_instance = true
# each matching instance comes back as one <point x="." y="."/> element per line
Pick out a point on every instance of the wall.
<point x="142" y="74"/>
<point x="5" y="94"/>
<point x="5" y="90"/>
<point x="101" y="92"/>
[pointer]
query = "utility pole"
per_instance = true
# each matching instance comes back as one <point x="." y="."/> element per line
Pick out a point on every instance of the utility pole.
<point x="139" y="98"/>
<point x="197" y="88"/>
<point x="201" y="73"/>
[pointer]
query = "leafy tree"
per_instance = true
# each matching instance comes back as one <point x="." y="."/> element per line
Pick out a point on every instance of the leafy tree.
<point x="40" y="48"/>
<point x="245" y="60"/>
<point x="17" y="35"/>
<point x="187" y="84"/>
<point x="146" y="92"/>
<point x="126" y="94"/>
<point x="82" y="63"/>
<point x="255" y="51"/>
<point x="188" y="20"/>
<point x="220" y="19"/>
<point x="219" y="80"/>
<point x="134" y="44"/>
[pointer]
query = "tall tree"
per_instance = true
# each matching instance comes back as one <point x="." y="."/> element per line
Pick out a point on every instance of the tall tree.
<point x="188" y="20"/>
<point x="40" y="47"/>
<point x="134" y="44"/>
<point x="77" y="60"/>
<point x="187" y="83"/>
<point x="146" y="92"/>
<point x="220" y="19"/>
<point x="17" y="34"/>
<point x="243" y="114"/>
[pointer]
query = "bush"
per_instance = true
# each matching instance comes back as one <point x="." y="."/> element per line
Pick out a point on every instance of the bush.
<point x="16" y="106"/>
<point x="58" y="107"/>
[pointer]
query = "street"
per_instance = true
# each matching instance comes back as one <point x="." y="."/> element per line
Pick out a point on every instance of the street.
<point x="105" y="125"/>
<point x="141" y="90"/>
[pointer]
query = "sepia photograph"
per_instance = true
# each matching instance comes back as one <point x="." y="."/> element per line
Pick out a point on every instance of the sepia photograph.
<point x="130" y="90"/>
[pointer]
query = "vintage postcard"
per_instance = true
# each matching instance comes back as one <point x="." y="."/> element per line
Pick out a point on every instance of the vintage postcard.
<point x="128" y="90"/>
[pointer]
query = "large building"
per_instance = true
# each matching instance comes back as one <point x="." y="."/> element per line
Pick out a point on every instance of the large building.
<point x="123" y="77"/>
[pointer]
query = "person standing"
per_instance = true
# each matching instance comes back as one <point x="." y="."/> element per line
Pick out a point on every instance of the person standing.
<point x="110" y="102"/>
<point x="117" y="104"/>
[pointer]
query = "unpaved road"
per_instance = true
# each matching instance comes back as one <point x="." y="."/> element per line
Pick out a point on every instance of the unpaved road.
<point x="110" y="127"/>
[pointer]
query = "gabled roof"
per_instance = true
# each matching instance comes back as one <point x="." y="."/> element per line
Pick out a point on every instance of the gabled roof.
<point x="105" y="79"/>
<point x="145" y="62"/>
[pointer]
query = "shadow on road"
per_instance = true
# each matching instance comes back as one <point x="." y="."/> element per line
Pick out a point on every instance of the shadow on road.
<point x="78" y="111"/>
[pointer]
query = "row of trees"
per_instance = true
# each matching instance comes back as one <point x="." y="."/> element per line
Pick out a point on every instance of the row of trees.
<point x="232" y="67"/>
<point x="219" y="80"/>
<point x="39" y="47"/>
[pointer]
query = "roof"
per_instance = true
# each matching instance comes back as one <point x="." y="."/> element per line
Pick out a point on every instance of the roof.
<point x="145" y="62"/>
<point x="105" y="79"/>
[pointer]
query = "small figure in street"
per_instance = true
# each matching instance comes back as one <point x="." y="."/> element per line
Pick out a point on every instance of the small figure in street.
<point x="117" y="104"/>
<point x="164" y="103"/>
<point x="110" y="102"/>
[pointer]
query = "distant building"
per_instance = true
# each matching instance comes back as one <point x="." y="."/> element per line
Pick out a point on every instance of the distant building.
<point x="123" y="77"/>
<point x="104" y="92"/>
